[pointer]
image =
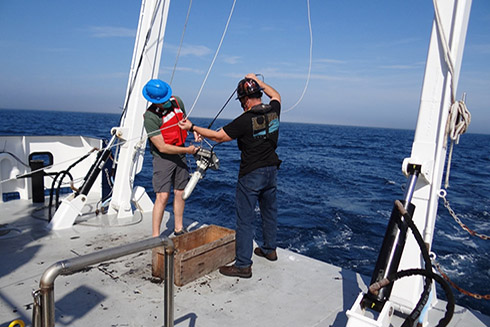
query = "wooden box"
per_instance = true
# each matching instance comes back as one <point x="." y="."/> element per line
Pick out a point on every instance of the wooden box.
<point x="197" y="253"/>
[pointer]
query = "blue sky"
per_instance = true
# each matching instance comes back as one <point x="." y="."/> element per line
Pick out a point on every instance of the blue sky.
<point x="367" y="68"/>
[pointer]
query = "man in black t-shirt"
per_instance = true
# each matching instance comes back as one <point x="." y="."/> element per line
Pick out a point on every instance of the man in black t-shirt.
<point x="256" y="131"/>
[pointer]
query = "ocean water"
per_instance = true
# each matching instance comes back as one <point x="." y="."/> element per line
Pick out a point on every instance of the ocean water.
<point x="336" y="188"/>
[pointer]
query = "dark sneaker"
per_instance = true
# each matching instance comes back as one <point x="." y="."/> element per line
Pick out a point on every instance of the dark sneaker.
<point x="180" y="232"/>
<point x="271" y="256"/>
<point x="234" y="271"/>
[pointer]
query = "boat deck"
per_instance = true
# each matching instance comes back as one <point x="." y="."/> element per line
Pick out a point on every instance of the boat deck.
<point x="293" y="291"/>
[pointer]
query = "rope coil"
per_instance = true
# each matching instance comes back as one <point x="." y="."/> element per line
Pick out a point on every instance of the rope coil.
<point x="459" y="117"/>
<point x="460" y="112"/>
<point x="457" y="124"/>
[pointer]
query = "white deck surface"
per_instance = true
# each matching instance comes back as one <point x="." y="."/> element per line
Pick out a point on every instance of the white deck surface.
<point x="294" y="291"/>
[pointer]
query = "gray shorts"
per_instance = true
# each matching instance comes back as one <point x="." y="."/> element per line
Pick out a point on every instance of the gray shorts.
<point x="169" y="172"/>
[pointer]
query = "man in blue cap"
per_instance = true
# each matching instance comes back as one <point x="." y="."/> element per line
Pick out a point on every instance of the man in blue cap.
<point x="167" y="145"/>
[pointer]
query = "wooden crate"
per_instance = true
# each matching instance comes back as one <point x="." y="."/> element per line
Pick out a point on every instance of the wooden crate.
<point x="197" y="253"/>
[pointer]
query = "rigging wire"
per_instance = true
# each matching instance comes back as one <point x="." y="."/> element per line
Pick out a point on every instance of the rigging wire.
<point x="310" y="61"/>
<point x="447" y="51"/>
<point x="130" y="92"/>
<point x="131" y="87"/>
<point x="43" y="168"/>
<point x="133" y="80"/>
<point x="119" y="143"/>
<point x="219" y="112"/>
<point x="228" y="100"/>
<point x="181" y="41"/>
<point x="147" y="38"/>
<point x="214" y="59"/>
<point x="459" y="117"/>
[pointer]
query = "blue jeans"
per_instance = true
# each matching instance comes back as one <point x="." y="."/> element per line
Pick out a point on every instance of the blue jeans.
<point x="259" y="185"/>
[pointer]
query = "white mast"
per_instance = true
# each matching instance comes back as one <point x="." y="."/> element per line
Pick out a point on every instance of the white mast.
<point x="145" y="66"/>
<point x="428" y="152"/>
<point x="430" y="141"/>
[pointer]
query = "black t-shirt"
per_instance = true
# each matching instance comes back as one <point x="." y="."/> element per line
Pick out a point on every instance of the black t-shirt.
<point x="257" y="133"/>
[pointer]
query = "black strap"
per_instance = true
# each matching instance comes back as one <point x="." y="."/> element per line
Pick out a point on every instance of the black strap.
<point x="161" y="112"/>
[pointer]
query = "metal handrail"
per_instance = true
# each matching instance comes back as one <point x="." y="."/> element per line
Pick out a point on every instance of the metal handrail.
<point x="43" y="313"/>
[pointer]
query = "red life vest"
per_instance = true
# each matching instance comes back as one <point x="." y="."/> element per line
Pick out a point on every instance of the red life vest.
<point x="171" y="132"/>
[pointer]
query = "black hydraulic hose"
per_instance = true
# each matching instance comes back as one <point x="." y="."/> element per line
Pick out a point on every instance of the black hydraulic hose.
<point x="428" y="266"/>
<point x="430" y="275"/>
<point x="96" y="168"/>
<point x="53" y="184"/>
<point x="64" y="172"/>
<point x="67" y="171"/>
<point x="445" y="286"/>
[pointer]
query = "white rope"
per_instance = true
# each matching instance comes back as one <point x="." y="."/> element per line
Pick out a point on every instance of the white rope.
<point x="309" y="66"/>
<point x="214" y="59"/>
<point x="458" y="110"/>
<point x="459" y="117"/>
<point x="445" y="45"/>
<point x="458" y="122"/>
